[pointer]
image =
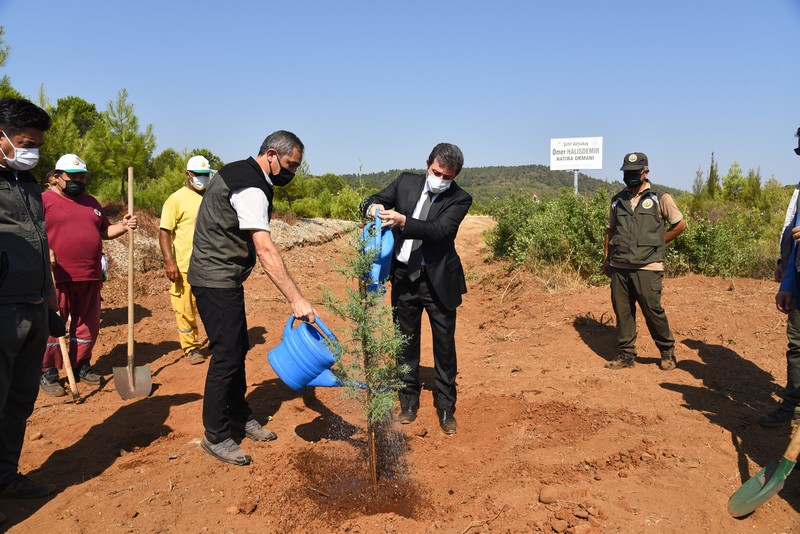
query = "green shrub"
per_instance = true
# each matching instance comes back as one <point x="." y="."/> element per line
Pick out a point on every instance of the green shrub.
<point x="567" y="230"/>
<point x="722" y="238"/>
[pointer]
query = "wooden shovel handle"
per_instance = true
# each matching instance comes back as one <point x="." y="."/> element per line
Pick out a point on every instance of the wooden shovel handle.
<point x="62" y="342"/>
<point x="130" y="269"/>
<point x="793" y="450"/>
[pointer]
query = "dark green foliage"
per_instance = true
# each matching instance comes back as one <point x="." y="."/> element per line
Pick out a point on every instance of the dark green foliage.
<point x="566" y="230"/>
<point x="723" y="238"/>
<point x="487" y="184"/>
<point x="367" y="352"/>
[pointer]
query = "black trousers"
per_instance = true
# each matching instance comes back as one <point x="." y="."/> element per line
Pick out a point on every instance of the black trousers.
<point x="408" y="300"/>
<point x="23" y="337"/>
<point x="791" y="395"/>
<point x="224" y="404"/>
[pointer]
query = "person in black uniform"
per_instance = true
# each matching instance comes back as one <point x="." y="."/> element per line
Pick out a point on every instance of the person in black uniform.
<point x="425" y="211"/>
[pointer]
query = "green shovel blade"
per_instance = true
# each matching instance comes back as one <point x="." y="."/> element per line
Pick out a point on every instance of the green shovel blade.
<point x="760" y="488"/>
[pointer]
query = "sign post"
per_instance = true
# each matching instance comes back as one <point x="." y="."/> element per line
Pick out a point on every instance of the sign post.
<point x="576" y="153"/>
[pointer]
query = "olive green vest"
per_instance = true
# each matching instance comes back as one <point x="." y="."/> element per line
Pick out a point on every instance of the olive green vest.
<point x="638" y="237"/>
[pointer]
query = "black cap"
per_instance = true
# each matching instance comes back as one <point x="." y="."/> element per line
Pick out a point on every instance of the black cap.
<point x="634" y="161"/>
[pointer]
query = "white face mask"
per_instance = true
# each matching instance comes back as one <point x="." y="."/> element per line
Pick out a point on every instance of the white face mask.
<point x="24" y="158"/>
<point x="438" y="185"/>
<point x="200" y="181"/>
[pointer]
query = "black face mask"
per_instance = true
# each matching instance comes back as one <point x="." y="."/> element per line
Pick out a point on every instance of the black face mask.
<point x="632" y="178"/>
<point x="73" y="188"/>
<point x="283" y="177"/>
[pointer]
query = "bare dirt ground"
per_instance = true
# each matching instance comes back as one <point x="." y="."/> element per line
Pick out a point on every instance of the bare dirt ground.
<point x="638" y="450"/>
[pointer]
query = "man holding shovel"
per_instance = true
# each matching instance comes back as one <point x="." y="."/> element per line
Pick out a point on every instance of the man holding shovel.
<point x="76" y="228"/>
<point x="787" y="273"/>
<point x="178" y="218"/>
<point x="232" y="230"/>
<point x="26" y="288"/>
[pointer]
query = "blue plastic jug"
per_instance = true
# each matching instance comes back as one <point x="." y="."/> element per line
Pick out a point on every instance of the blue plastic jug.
<point x="380" y="238"/>
<point x="303" y="358"/>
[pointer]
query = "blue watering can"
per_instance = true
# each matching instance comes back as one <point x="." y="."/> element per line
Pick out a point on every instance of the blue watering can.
<point x="303" y="358"/>
<point x="377" y="237"/>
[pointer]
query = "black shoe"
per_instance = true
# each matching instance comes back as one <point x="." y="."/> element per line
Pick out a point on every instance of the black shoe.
<point x="623" y="361"/>
<point x="447" y="422"/>
<point x="780" y="417"/>
<point x="407" y="415"/>
<point x="24" y="488"/>
<point x="50" y="385"/>
<point x="87" y="374"/>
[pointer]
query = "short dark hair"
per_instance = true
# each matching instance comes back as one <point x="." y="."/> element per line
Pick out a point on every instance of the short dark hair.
<point x="18" y="114"/>
<point x="448" y="156"/>
<point x="282" y="142"/>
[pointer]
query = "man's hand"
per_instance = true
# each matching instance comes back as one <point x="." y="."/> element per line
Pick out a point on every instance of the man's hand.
<point x="303" y="310"/>
<point x="372" y="209"/>
<point x="392" y="219"/>
<point x="606" y="267"/>
<point x="130" y="222"/>
<point x="171" y="268"/>
<point x="55" y="324"/>
<point x="796" y="234"/>
<point x="783" y="301"/>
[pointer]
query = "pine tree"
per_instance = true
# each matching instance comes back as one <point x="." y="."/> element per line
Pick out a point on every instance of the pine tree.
<point x="713" y="179"/>
<point x="367" y="352"/>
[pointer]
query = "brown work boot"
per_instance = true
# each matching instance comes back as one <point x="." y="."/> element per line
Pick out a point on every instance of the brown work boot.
<point x="623" y="361"/>
<point x="193" y="357"/>
<point x="668" y="362"/>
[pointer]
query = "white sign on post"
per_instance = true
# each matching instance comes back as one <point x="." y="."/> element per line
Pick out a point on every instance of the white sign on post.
<point x="576" y="153"/>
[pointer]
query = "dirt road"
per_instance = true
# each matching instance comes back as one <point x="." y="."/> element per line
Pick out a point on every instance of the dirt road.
<point x="637" y="450"/>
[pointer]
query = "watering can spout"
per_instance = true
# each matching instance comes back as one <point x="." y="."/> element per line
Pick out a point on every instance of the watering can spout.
<point x="326" y="379"/>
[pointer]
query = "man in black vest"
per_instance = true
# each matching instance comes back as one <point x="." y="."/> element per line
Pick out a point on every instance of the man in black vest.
<point x="787" y="273"/>
<point x="27" y="299"/>
<point x="427" y="210"/>
<point x="232" y="230"/>
<point x="634" y="249"/>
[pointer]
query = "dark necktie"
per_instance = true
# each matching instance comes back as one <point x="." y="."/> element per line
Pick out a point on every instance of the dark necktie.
<point x="415" y="259"/>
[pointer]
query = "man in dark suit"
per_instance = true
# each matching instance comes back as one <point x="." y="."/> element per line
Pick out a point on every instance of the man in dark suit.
<point x="425" y="212"/>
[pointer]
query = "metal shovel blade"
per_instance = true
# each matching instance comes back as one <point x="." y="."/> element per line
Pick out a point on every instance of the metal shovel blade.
<point x="132" y="382"/>
<point x="761" y="486"/>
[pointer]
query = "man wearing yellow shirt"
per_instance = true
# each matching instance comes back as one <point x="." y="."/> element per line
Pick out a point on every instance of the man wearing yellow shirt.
<point x="175" y="237"/>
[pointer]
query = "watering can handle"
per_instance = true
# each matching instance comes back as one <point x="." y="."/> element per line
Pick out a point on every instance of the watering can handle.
<point x="325" y="329"/>
<point x="378" y="225"/>
<point x="318" y="322"/>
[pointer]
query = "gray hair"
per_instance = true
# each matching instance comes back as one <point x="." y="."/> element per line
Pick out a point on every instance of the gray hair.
<point x="282" y="142"/>
<point x="448" y="156"/>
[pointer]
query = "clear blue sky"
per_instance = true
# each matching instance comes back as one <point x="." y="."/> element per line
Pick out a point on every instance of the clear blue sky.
<point x="378" y="83"/>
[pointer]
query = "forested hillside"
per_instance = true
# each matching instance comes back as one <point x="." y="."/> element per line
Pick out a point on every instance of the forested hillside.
<point x="492" y="183"/>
